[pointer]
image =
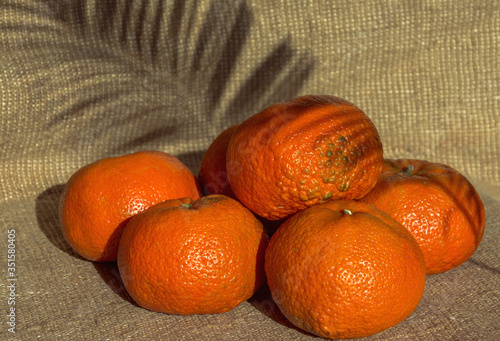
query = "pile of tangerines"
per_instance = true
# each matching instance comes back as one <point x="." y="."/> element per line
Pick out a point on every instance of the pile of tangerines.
<point x="297" y="196"/>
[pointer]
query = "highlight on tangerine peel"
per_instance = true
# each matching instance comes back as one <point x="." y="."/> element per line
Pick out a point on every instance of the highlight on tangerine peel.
<point x="293" y="155"/>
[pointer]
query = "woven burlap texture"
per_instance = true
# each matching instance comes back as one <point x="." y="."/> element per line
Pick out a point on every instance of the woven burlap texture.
<point x="82" y="80"/>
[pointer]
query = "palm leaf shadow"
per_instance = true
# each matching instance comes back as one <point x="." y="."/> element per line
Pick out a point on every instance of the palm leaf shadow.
<point x="279" y="76"/>
<point x="265" y="82"/>
<point x="165" y="44"/>
<point x="230" y="52"/>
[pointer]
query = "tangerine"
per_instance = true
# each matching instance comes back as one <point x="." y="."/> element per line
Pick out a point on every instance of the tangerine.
<point x="293" y="155"/>
<point x="437" y="204"/>
<point x="100" y="198"/>
<point x="213" y="173"/>
<point x="344" y="269"/>
<point x="203" y="257"/>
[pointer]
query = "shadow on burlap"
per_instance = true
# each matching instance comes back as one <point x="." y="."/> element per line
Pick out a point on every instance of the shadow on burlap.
<point x="85" y="80"/>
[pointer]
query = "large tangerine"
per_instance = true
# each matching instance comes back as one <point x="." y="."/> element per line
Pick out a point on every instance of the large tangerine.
<point x="293" y="155"/>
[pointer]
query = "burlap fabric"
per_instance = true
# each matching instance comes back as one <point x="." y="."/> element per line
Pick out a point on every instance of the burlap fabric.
<point x="82" y="80"/>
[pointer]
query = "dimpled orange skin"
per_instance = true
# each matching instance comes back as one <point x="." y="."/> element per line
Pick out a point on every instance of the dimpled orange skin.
<point x="213" y="174"/>
<point x="342" y="274"/>
<point x="437" y="204"/>
<point x="293" y="155"/>
<point x="101" y="197"/>
<point x="206" y="258"/>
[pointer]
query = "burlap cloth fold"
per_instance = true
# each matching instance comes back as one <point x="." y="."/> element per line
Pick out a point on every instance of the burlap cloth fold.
<point x="81" y="80"/>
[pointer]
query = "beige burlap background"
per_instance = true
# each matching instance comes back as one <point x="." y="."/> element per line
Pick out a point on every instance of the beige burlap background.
<point x="82" y="80"/>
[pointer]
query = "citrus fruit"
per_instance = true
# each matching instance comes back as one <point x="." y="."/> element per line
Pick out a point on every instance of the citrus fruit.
<point x="213" y="174"/>
<point x="293" y="155"/>
<point x="99" y="198"/>
<point x="200" y="258"/>
<point x="344" y="269"/>
<point x="437" y="204"/>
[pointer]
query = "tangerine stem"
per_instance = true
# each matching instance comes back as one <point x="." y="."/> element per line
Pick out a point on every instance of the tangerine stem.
<point x="346" y="211"/>
<point x="409" y="170"/>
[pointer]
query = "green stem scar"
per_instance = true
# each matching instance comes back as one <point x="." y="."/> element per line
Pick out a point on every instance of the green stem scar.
<point x="187" y="205"/>
<point x="346" y="211"/>
<point x="409" y="170"/>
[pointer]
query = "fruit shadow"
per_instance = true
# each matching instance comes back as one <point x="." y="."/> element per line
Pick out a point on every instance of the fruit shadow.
<point x="263" y="302"/>
<point x="47" y="216"/>
<point x="111" y="276"/>
<point x="46" y="210"/>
